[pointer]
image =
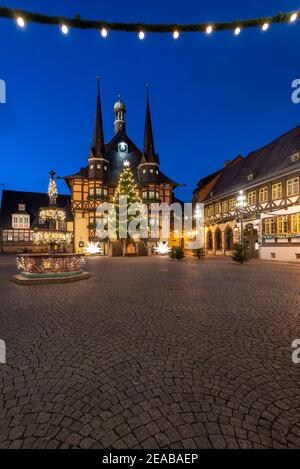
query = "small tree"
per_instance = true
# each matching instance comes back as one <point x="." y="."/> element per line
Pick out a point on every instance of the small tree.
<point x="177" y="253"/>
<point x="240" y="253"/>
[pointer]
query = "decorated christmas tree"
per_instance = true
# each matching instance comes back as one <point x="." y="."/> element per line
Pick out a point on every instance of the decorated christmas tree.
<point x="126" y="194"/>
<point x="240" y="253"/>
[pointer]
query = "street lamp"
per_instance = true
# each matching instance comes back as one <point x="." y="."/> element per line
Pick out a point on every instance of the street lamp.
<point x="241" y="205"/>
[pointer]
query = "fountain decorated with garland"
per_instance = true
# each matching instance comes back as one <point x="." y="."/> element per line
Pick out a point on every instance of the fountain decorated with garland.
<point x="55" y="266"/>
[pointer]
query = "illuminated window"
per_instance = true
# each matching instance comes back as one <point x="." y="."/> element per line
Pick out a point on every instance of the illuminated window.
<point x="91" y="191"/>
<point x="225" y="206"/>
<point x="252" y="198"/>
<point x="144" y="194"/>
<point x="104" y="191"/>
<point x="295" y="223"/>
<point x="263" y="194"/>
<point x="269" y="226"/>
<point x="98" y="166"/>
<point x="277" y="191"/>
<point x="151" y="194"/>
<point x="292" y="187"/>
<point x="144" y="171"/>
<point x="217" y="208"/>
<point x="211" y="211"/>
<point x="231" y="203"/>
<point x="151" y="170"/>
<point x="282" y="225"/>
<point x="20" y="221"/>
<point x="91" y="166"/>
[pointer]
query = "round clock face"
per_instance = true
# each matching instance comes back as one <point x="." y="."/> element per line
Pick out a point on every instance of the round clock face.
<point x="123" y="147"/>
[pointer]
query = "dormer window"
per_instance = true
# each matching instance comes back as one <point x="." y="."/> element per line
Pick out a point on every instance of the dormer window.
<point x="250" y="177"/>
<point x="20" y="221"/>
<point x="22" y="207"/>
<point x="211" y="194"/>
<point x="295" y="157"/>
<point x="91" y="166"/>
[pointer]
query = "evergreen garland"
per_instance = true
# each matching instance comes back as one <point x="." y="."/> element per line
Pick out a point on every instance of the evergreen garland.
<point x="77" y="22"/>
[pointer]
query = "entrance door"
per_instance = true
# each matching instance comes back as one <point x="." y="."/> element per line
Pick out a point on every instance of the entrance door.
<point x="251" y="239"/>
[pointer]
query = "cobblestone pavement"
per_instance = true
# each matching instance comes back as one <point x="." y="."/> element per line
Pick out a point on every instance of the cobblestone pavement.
<point x="152" y="353"/>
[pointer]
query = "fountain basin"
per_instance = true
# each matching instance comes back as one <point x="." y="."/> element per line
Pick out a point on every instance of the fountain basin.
<point x="50" y="268"/>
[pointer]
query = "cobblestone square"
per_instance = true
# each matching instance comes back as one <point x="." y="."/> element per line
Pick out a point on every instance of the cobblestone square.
<point x="152" y="353"/>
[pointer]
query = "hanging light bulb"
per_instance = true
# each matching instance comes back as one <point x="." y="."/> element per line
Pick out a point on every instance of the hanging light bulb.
<point x="20" y="22"/>
<point x="265" y="26"/>
<point x="209" y="29"/>
<point x="141" y="35"/>
<point x="237" y="31"/>
<point x="293" y="17"/>
<point x="64" y="29"/>
<point x="104" y="32"/>
<point x="176" y="34"/>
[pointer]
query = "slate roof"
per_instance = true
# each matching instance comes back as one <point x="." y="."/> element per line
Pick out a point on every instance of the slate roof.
<point x="33" y="201"/>
<point x="116" y="160"/>
<point x="268" y="162"/>
<point x="110" y="152"/>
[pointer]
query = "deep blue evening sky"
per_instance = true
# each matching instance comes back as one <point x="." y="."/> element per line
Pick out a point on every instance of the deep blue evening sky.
<point x="211" y="97"/>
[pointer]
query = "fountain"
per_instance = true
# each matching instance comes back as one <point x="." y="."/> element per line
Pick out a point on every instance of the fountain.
<point x="54" y="267"/>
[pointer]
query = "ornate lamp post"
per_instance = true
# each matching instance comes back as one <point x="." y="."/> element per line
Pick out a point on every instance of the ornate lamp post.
<point x="241" y="205"/>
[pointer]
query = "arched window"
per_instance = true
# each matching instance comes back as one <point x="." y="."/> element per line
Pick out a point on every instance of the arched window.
<point x="209" y="240"/>
<point x="218" y="239"/>
<point x="228" y="239"/>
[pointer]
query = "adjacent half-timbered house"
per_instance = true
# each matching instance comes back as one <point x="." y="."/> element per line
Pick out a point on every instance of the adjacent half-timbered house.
<point x="269" y="178"/>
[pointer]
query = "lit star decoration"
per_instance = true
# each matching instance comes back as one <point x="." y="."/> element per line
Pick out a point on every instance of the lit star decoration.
<point x="126" y="164"/>
<point x="162" y="248"/>
<point x="93" y="248"/>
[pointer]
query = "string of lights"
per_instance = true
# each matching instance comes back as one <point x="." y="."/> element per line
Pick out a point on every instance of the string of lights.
<point x="22" y="17"/>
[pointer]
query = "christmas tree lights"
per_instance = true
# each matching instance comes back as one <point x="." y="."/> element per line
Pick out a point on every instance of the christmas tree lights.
<point x="126" y="192"/>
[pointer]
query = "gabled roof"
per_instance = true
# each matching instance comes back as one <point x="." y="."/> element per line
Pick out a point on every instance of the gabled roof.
<point x="33" y="202"/>
<point x="268" y="162"/>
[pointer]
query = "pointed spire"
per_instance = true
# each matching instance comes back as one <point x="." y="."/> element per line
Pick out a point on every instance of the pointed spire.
<point x="98" y="140"/>
<point x="149" y="150"/>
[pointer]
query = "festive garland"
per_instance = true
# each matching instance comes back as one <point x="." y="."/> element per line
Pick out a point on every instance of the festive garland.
<point x="77" y="22"/>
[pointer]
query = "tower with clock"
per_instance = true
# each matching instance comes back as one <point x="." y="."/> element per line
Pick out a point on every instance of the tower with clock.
<point x="97" y="181"/>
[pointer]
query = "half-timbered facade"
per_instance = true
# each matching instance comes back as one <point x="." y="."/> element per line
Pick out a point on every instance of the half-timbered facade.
<point x="20" y="221"/>
<point x="270" y="179"/>
<point x="97" y="181"/>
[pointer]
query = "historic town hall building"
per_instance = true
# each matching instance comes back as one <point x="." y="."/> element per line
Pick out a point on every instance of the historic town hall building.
<point x="267" y="181"/>
<point x="90" y="186"/>
<point x="97" y="181"/>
